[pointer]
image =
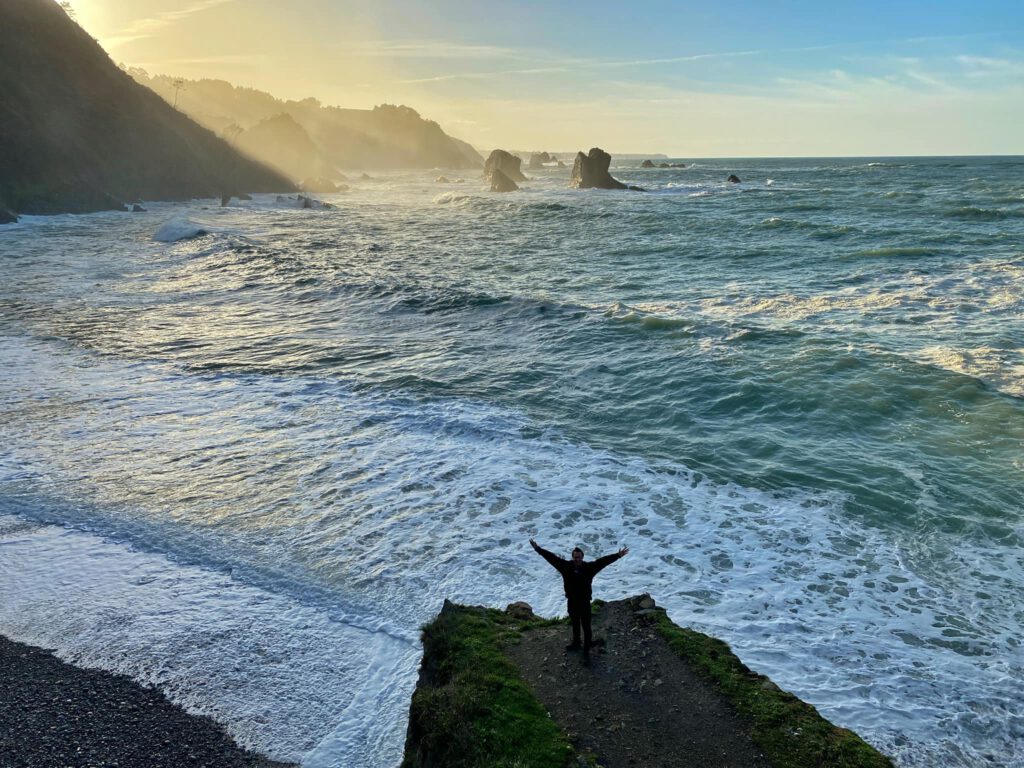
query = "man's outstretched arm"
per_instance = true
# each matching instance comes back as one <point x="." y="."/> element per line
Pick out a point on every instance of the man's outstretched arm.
<point x="604" y="562"/>
<point x="552" y="558"/>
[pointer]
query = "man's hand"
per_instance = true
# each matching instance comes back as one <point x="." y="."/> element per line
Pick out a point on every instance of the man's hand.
<point x="624" y="551"/>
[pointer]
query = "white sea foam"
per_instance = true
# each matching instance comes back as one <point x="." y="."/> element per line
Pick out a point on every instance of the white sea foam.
<point x="385" y="506"/>
<point x="180" y="228"/>
<point x="280" y="675"/>
<point x="452" y="198"/>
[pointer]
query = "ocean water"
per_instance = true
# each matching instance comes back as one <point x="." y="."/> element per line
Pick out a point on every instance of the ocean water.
<point x="247" y="466"/>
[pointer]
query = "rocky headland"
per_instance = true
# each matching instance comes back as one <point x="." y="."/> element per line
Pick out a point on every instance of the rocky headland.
<point x="305" y="137"/>
<point x="80" y="135"/>
<point x="499" y="688"/>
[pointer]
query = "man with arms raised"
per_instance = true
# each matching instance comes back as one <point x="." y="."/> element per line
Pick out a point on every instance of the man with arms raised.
<point x="577" y="578"/>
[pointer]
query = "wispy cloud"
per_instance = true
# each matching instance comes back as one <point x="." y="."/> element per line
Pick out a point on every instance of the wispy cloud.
<point x="547" y="63"/>
<point x="435" y="49"/>
<point x="143" y="28"/>
<point x="483" y="75"/>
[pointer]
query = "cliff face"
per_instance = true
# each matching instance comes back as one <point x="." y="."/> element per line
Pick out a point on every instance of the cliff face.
<point x="386" y="136"/>
<point x="77" y="134"/>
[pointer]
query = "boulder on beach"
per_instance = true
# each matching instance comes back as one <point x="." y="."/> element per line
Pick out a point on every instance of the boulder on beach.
<point x="647" y="164"/>
<point x="506" y="162"/>
<point x="734" y="179"/>
<point x="502" y="183"/>
<point x="590" y="171"/>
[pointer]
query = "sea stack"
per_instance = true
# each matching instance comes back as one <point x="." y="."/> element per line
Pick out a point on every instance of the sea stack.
<point x="502" y="183"/>
<point x="506" y="162"/>
<point x="590" y="171"/>
<point x="537" y="160"/>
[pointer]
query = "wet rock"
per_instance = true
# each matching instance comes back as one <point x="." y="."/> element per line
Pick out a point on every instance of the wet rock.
<point x="506" y="162"/>
<point x="319" y="184"/>
<point x="442" y="180"/>
<point x="734" y="179"/>
<point x="647" y="164"/>
<point x="136" y="208"/>
<point x="520" y="610"/>
<point x="7" y="217"/>
<point x="309" y="202"/>
<point x="502" y="183"/>
<point x="537" y="160"/>
<point x="590" y="171"/>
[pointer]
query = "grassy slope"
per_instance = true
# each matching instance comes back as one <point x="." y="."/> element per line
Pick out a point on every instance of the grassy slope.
<point x="471" y="709"/>
<point x="791" y="733"/>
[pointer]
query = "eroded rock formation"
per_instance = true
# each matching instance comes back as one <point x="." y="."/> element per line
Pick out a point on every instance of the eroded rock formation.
<point x="502" y="183"/>
<point x="590" y="171"/>
<point x="506" y="162"/>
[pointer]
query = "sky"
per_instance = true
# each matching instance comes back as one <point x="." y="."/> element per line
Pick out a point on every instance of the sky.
<point x="686" y="79"/>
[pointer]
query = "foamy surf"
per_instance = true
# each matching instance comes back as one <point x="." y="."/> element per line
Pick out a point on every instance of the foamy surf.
<point x="180" y="228"/>
<point x="379" y="523"/>
<point x="278" y="674"/>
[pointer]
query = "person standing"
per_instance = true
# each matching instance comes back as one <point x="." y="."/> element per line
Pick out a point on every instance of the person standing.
<point x="577" y="579"/>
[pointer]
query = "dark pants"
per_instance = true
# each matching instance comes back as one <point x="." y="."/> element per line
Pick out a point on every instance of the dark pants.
<point x="579" y="614"/>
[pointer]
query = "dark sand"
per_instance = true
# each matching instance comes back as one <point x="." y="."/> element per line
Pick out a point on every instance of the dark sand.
<point x="55" y="715"/>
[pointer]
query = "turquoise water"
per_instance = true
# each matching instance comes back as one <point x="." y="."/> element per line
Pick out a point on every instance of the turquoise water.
<point x="799" y="400"/>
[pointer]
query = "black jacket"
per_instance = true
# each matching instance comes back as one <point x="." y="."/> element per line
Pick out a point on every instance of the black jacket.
<point x="577" y="581"/>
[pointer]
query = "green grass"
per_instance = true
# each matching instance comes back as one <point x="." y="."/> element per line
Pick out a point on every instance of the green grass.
<point x="471" y="708"/>
<point x="790" y="732"/>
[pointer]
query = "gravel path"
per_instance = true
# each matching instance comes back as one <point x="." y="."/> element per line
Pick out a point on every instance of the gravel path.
<point x="54" y="715"/>
<point x="636" y="703"/>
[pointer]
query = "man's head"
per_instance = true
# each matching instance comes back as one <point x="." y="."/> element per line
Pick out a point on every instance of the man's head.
<point x="577" y="555"/>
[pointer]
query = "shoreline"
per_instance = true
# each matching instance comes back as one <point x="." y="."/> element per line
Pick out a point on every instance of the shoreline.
<point x="59" y="714"/>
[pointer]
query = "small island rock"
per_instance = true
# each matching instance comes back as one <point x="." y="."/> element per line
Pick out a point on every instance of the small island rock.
<point x="319" y="184"/>
<point x="537" y="160"/>
<point x="502" y="183"/>
<point x="647" y="164"/>
<point x="734" y="179"/>
<point x="506" y="162"/>
<point x="590" y="171"/>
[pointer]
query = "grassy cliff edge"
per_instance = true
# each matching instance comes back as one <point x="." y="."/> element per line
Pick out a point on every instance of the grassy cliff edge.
<point x="472" y="708"/>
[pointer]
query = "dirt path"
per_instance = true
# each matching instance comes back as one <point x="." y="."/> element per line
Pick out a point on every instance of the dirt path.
<point x="636" y="703"/>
